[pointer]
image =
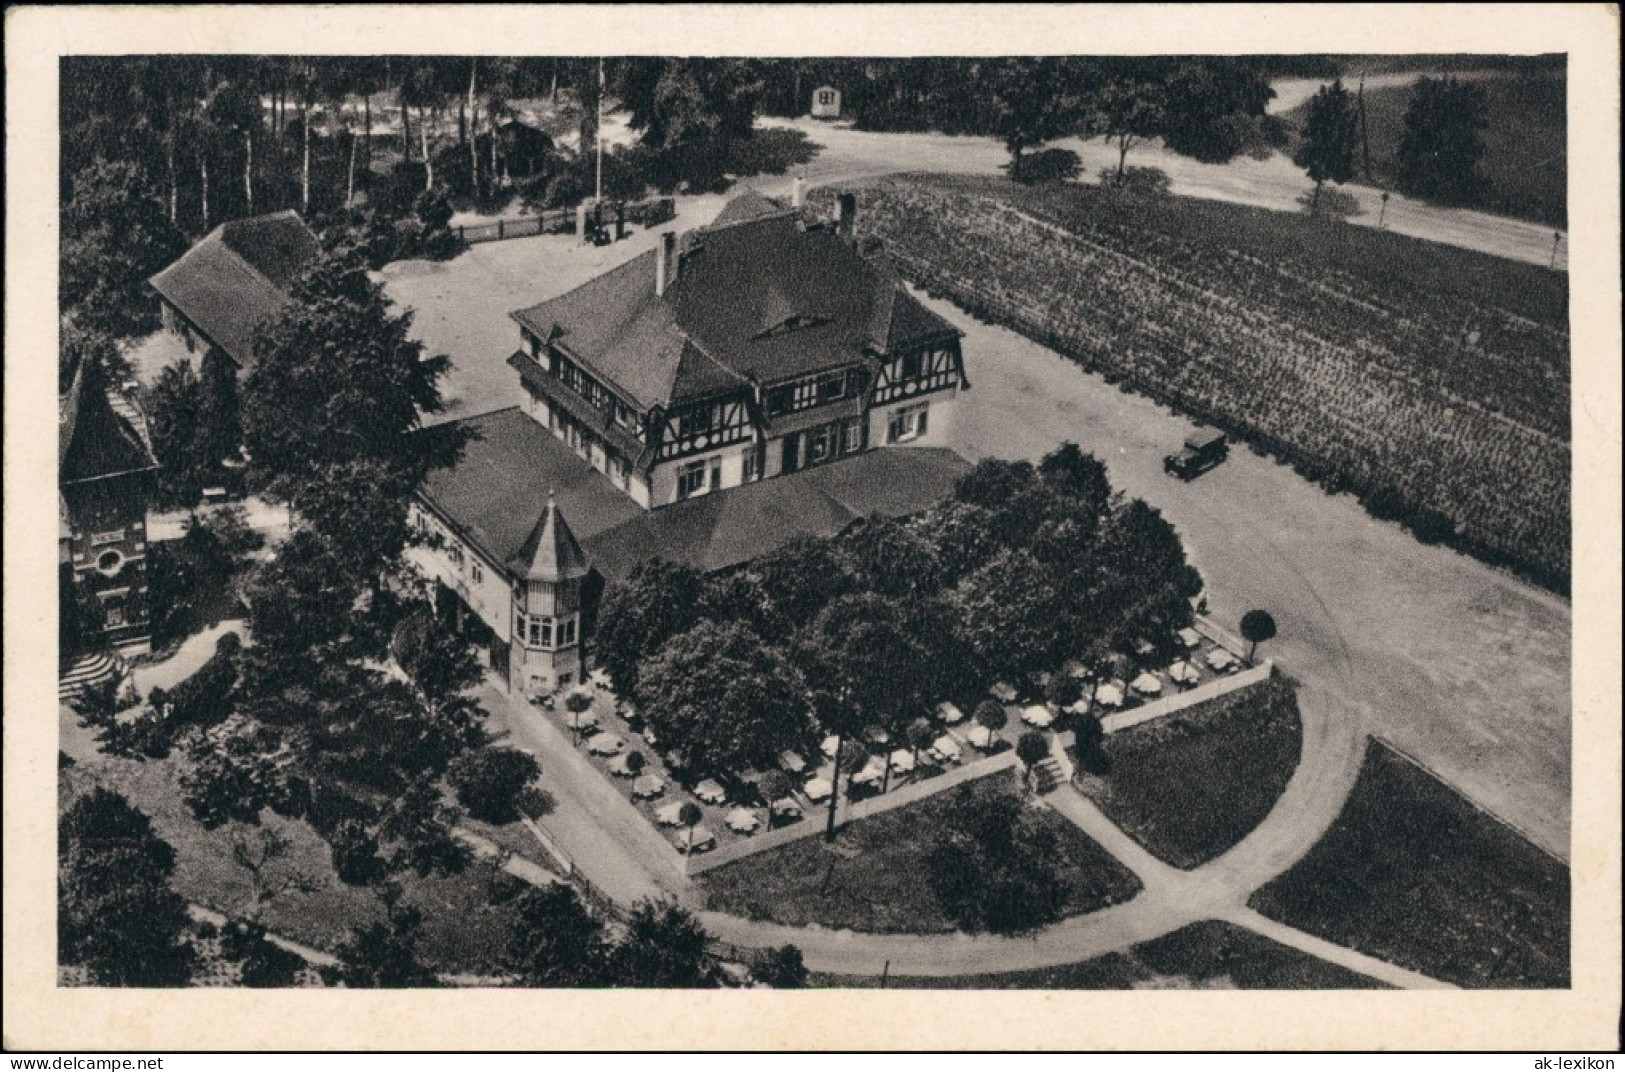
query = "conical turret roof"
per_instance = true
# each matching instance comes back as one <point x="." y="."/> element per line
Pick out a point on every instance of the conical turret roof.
<point x="551" y="552"/>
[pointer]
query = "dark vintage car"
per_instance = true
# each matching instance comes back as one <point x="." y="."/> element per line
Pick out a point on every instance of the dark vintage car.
<point x="1204" y="449"/>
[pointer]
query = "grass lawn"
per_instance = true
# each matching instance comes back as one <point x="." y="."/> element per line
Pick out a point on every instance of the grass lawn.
<point x="873" y="877"/>
<point x="1190" y="786"/>
<point x="1415" y="874"/>
<point x="1525" y="142"/>
<point x="1207" y="955"/>
<point x="462" y="933"/>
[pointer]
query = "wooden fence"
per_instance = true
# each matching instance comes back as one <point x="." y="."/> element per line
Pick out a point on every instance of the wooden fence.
<point x="650" y="213"/>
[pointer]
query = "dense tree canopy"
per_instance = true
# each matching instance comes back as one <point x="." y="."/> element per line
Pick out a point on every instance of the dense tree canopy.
<point x="384" y="955"/>
<point x="664" y="946"/>
<point x="557" y="942"/>
<point x="657" y="602"/>
<point x="993" y="869"/>
<point x="1329" y="138"/>
<point x="115" y="236"/>
<point x="338" y="380"/>
<point x="718" y="694"/>
<point x="1443" y="142"/>
<point x="116" y="913"/>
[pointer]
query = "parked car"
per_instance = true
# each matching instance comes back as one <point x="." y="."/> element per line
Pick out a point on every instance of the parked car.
<point x="1204" y="449"/>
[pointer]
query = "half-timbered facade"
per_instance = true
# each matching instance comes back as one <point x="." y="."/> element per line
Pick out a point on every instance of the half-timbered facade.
<point x="759" y="346"/>
<point x="687" y="405"/>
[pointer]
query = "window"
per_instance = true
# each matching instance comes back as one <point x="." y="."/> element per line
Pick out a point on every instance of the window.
<point x="691" y="479"/>
<point x="906" y="423"/>
<point x="748" y="467"/>
<point x="479" y="574"/>
<point x="113" y="611"/>
<point x="779" y="400"/>
<point x="109" y="562"/>
<point x="826" y="96"/>
<point x="535" y="630"/>
<point x="831" y="388"/>
<point x="852" y="436"/>
<point x="911" y="364"/>
<point x="820" y="444"/>
<point x="567" y="632"/>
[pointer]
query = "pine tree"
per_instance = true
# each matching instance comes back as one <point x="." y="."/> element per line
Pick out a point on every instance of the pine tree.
<point x="1329" y="139"/>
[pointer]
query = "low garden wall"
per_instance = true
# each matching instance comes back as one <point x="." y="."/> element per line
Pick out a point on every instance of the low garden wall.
<point x="813" y="823"/>
<point x="1122" y="720"/>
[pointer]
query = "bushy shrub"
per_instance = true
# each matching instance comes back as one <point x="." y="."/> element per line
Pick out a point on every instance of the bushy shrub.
<point x="1047" y="165"/>
<point x="1136" y="181"/>
<point x="355" y="854"/>
<point x="1331" y="204"/>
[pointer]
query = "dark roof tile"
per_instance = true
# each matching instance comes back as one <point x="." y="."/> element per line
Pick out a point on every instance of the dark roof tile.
<point x="498" y="489"/>
<point x="728" y="528"/>
<point x="237" y="276"/>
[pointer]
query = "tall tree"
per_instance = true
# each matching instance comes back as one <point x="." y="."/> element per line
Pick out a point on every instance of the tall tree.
<point x="116" y="913"/>
<point x="1129" y="110"/>
<point x="338" y="379"/>
<point x="657" y="602"/>
<point x="1214" y="107"/>
<point x="863" y="664"/>
<point x="1033" y="103"/>
<point x="116" y="233"/>
<point x="219" y="413"/>
<point x="664" y="946"/>
<point x="719" y="695"/>
<point x="1329" y="137"/>
<point x="175" y="414"/>
<point x="556" y="942"/>
<point x="1443" y="142"/>
<point x="384" y="954"/>
<point x="1257" y="626"/>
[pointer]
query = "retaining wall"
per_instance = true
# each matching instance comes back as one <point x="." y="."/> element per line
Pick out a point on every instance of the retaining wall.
<point x="813" y="822"/>
<point x="1122" y="720"/>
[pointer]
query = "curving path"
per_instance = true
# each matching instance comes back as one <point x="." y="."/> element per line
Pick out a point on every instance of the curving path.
<point x="1172" y="898"/>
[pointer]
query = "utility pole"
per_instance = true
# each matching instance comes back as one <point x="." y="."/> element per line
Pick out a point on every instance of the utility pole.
<point x="1383" y="212"/>
<point x="598" y="129"/>
<point x="1557" y="239"/>
<point x="1365" y="139"/>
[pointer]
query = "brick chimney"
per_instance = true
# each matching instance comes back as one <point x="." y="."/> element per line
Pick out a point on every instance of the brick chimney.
<point x="849" y="217"/>
<point x="665" y="261"/>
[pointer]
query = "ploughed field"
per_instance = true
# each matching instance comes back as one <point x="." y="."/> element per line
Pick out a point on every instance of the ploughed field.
<point x="1430" y="381"/>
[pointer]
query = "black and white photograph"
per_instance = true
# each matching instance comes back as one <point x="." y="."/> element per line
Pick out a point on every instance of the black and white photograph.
<point x="1066" y="520"/>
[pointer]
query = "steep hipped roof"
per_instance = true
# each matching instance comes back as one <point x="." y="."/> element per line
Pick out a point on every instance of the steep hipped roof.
<point x="758" y="294"/>
<point x="93" y="439"/>
<point x="237" y="276"/>
<point x="551" y="552"/>
<point x="727" y="528"/>
<point x="495" y="492"/>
